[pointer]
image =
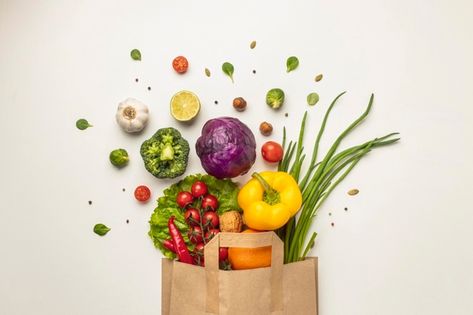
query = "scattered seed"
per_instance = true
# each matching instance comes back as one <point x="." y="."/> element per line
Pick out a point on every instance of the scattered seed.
<point x="330" y="213"/>
<point x="207" y="72"/>
<point x="346" y="209"/>
<point x="149" y="88"/>
<point x="216" y="102"/>
<point x="286" y="114"/>
<point x="332" y="224"/>
<point x="254" y="71"/>
<point x="136" y="80"/>
<point x="127" y="221"/>
<point x="253" y="44"/>
<point x="319" y="77"/>
<point x="353" y="192"/>
<point x="123" y="189"/>
<point x="90" y="202"/>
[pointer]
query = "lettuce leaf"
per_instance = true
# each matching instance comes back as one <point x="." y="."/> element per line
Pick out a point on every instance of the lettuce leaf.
<point x="225" y="190"/>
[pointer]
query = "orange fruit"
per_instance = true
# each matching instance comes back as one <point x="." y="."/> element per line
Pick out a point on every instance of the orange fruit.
<point x="249" y="258"/>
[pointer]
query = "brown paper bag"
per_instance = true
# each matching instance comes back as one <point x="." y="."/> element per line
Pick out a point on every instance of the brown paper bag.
<point x="280" y="289"/>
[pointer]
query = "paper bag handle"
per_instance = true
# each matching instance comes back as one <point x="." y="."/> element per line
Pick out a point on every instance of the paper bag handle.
<point x="248" y="240"/>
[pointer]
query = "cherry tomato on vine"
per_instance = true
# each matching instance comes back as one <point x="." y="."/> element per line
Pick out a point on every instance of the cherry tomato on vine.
<point x="198" y="189"/>
<point x="192" y="216"/>
<point x="209" y="202"/>
<point x="272" y="152"/>
<point x="180" y="64"/>
<point x="184" y="198"/>
<point x="142" y="193"/>
<point x="222" y="253"/>
<point x="210" y="219"/>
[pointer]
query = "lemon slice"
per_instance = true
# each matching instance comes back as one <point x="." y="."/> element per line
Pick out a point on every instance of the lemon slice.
<point x="185" y="106"/>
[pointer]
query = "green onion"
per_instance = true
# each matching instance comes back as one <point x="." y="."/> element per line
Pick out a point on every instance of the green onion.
<point x="320" y="179"/>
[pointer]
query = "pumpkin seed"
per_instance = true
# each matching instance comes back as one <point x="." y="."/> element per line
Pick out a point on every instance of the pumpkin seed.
<point x="353" y="192"/>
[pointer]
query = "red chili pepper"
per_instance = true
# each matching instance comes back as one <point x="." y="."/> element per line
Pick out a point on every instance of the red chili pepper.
<point x="169" y="245"/>
<point x="179" y="244"/>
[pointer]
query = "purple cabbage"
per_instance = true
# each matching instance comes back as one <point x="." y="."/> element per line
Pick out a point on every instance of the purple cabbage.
<point x="226" y="148"/>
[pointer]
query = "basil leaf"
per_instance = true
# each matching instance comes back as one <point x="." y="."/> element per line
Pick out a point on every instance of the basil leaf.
<point x="135" y="54"/>
<point x="101" y="229"/>
<point x="82" y="124"/>
<point x="292" y="63"/>
<point x="228" y="69"/>
<point x="312" y="98"/>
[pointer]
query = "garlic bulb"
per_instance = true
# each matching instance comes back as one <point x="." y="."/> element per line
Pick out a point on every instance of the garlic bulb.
<point x="132" y="115"/>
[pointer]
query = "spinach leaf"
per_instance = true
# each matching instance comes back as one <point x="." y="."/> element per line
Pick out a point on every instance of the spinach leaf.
<point x="101" y="229"/>
<point x="228" y="69"/>
<point x="292" y="63"/>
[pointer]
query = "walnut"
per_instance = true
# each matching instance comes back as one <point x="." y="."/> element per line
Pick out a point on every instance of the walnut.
<point x="231" y="221"/>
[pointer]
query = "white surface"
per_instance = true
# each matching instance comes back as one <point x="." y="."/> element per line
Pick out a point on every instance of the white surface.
<point x="404" y="246"/>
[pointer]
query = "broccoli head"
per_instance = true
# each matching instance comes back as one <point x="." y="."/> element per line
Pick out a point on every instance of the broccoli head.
<point x="165" y="154"/>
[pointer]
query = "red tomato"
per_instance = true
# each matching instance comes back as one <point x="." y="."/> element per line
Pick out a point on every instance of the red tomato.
<point x="272" y="152"/>
<point x="184" y="198"/>
<point x="142" y="193"/>
<point x="180" y="64"/>
<point x="195" y="234"/>
<point x="199" y="189"/>
<point x="210" y="219"/>
<point x="199" y="248"/>
<point x="192" y="216"/>
<point x="211" y="233"/>
<point x="209" y="202"/>
<point x="223" y="253"/>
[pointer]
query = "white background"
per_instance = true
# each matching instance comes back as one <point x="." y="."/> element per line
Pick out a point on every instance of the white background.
<point x="403" y="246"/>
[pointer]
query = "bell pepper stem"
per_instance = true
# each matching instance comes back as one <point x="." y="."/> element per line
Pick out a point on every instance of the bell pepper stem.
<point x="271" y="195"/>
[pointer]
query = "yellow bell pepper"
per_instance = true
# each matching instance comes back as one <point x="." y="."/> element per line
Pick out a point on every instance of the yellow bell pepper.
<point x="269" y="200"/>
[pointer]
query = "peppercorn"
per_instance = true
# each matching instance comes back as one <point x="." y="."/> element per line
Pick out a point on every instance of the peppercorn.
<point x="266" y="128"/>
<point x="239" y="104"/>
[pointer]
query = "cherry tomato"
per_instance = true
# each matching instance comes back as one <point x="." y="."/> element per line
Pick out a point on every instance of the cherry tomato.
<point x="211" y="233"/>
<point x="195" y="234"/>
<point x="199" y="248"/>
<point x="184" y="198"/>
<point x="180" y="64"/>
<point x="222" y="253"/>
<point x="142" y="193"/>
<point x="272" y="152"/>
<point x="199" y="189"/>
<point x="192" y="216"/>
<point x="210" y="219"/>
<point x="209" y="202"/>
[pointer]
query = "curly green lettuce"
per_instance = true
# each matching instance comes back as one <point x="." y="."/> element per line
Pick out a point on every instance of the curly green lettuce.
<point x="226" y="192"/>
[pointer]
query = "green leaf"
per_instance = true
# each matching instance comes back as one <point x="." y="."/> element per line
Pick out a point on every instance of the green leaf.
<point x="135" y="54"/>
<point x="312" y="98"/>
<point x="101" y="229"/>
<point x="82" y="124"/>
<point x="226" y="192"/>
<point x="292" y="63"/>
<point x="228" y="69"/>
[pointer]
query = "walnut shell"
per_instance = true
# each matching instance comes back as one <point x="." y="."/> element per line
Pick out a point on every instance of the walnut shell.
<point x="231" y="221"/>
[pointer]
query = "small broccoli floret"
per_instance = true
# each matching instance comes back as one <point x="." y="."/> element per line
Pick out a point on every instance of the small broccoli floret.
<point x="165" y="154"/>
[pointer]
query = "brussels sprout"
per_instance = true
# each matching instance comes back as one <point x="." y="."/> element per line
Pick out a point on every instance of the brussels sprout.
<point x="275" y="98"/>
<point x="119" y="157"/>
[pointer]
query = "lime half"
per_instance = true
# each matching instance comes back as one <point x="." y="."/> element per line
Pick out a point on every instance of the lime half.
<point x="185" y="106"/>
